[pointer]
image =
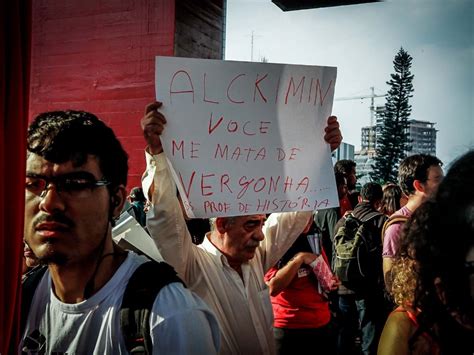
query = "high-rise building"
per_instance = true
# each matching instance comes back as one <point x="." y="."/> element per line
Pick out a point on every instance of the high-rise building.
<point x="371" y="134"/>
<point x="363" y="168"/>
<point x="345" y="151"/>
<point x="421" y="135"/>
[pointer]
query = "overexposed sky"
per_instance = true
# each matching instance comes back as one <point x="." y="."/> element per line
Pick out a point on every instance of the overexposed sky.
<point x="361" y="41"/>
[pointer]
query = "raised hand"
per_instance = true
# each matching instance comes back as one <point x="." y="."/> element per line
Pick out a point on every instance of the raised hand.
<point x="153" y="124"/>
<point x="333" y="134"/>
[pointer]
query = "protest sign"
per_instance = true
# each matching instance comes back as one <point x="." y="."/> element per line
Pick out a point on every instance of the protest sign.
<point x="247" y="138"/>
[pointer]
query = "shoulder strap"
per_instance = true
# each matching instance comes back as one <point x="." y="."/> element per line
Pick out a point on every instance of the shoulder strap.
<point x="393" y="219"/>
<point x="29" y="285"/>
<point x="371" y="216"/>
<point x="28" y="288"/>
<point x="139" y="296"/>
<point x="350" y="215"/>
<point x="368" y="239"/>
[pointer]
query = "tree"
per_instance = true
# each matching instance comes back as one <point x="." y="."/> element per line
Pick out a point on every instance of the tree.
<point x="393" y="144"/>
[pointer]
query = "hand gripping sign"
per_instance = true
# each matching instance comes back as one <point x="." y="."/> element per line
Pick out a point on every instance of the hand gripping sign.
<point x="247" y="138"/>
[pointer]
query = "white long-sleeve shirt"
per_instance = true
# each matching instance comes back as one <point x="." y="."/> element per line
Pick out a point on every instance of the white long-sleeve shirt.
<point x="242" y="305"/>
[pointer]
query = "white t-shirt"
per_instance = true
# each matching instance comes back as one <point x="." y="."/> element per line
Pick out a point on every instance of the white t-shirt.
<point x="180" y="322"/>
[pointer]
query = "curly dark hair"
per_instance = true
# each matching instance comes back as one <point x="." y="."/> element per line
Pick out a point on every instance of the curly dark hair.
<point x="61" y="136"/>
<point x="432" y="257"/>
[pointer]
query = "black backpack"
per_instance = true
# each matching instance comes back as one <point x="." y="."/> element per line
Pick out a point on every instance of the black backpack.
<point x="356" y="247"/>
<point x="137" y="302"/>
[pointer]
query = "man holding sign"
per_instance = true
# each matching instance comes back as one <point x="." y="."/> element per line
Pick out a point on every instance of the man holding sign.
<point x="227" y="269"/>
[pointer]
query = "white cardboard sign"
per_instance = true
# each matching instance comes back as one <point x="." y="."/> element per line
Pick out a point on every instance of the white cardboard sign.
<point x="247" y="138"/>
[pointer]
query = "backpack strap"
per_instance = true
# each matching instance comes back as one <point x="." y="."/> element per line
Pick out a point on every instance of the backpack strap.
<point x="28" y="287"/>
<point x="371" y="216"/>
<point x="393" y="219"/>
<point x="140" y="294"/>
<point x="367" y="222"/>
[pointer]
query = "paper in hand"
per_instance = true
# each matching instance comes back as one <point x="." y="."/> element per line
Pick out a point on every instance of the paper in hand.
<point x="323" y="273"/>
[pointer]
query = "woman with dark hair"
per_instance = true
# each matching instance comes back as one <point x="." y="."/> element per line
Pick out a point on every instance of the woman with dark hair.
<point x="433" y="281"/>
<point x="393" y="199"/>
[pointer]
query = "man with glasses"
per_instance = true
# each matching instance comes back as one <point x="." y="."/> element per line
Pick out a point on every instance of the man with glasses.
<point x="76" y="173"/>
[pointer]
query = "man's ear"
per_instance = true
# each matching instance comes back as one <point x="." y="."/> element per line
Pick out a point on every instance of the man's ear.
<point x="221" y="225"/>
<point x="117" y="200"/>
<point x="418" y="185"/>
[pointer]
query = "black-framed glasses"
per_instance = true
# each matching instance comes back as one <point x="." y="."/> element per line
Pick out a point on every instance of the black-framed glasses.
<point x="74" y="185"/>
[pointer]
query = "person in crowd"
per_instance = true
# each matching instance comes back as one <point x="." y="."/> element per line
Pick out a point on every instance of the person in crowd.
<point x="433" y="273"/>
<point x="300" y="307"/>
<point x="393" y="199"/>
<point x="326" y="219"/>
<point x="227" y="269"/>
<point x="347" y="167"/>
<point x="138" y="201"/>
<point x="76" y="173"/>
<point x="418" y="176"/>
<point x="362" y="306"/>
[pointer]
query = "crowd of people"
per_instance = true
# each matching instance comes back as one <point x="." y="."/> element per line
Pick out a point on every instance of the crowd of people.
<point x="401" y="257"/>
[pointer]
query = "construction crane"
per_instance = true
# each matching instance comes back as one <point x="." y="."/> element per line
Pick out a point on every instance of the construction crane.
<point x="372" y="96"/>
<point x="372" y="131"/>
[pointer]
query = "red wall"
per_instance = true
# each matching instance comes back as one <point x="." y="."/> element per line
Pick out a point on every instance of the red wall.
<point x="98" y="56"/>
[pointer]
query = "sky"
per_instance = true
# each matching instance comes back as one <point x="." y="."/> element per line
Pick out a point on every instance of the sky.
<point x="362" y="41"/>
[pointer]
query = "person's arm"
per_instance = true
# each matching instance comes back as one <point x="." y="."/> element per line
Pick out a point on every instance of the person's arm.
<point x="389" y="249"/>
<point x="395" y="335"/>
<point x="332" y="219"/>
<point x="338" y="225"/>
<point x="387" y="272"/>
<point x="165" y="220"/>
<point x="287" y="273"/>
